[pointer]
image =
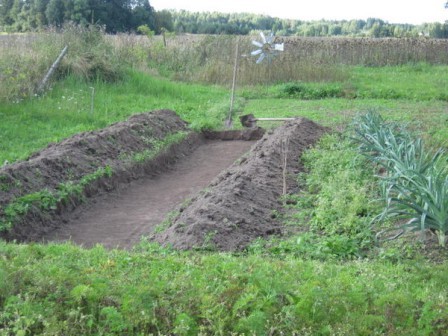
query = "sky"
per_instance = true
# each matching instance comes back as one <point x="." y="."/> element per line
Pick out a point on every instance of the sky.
<point x="393" y="11"/>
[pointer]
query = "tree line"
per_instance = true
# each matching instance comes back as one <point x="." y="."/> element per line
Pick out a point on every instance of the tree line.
<point x="115" y="15"/>
<point x="127" y="15"/>
<point x="219" y="23"/>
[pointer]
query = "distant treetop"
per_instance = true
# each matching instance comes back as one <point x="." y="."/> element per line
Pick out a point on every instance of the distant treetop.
<point x="128" y="15"/>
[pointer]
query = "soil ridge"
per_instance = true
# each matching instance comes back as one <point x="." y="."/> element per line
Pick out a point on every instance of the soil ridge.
<point x="83" y="154"/>
<point x="240" y="203"/>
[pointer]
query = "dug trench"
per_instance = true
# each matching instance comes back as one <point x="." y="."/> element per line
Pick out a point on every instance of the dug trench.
<point x="151" y="176"/>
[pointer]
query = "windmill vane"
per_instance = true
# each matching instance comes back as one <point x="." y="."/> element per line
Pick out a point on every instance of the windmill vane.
<point x="267" y="48"/>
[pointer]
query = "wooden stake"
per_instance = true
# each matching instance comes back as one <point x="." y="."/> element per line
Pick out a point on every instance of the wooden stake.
<point x="42" y="85"/>
<point x="232" y="96"/>
<point x="285" y="147"/>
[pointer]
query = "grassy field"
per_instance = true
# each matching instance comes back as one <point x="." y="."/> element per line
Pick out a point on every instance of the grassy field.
<point x="67" y="109"/>
<point x="331" y="277"/>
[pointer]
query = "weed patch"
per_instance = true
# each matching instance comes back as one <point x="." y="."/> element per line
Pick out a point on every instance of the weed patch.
<point x="335" y="207"/>
<point x="156" y="147"/>
<point x="154" y="290"/>
<point x="46" y="200"/>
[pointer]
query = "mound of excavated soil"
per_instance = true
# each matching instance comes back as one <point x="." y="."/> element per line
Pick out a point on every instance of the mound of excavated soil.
<point x="84" y="154"/>
<point x="238" y="206"/>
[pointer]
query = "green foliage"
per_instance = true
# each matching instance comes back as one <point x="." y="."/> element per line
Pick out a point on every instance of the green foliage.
<point x="306" y="91"/>
<point x="334" y="210"/>
<point x="158" y="145"/>
<point x="242" y="24"/>
<point x="46" y="200"/>
<point x="63" y="289"/>
<point x="123" y="15"/>
<point x="340" y="189"/>
<point x="145" y="30"/>
<point x="416" y="184"/>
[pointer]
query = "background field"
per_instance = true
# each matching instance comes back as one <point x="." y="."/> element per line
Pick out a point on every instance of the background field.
<point x="330" y="277"/>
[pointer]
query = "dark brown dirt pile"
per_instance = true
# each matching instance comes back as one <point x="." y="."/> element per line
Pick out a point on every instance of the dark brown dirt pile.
<point x="83" y="154"/>
<point x="238" y="205"/>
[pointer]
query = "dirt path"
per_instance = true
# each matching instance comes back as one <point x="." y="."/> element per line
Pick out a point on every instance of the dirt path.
<point x="121" y="219"/>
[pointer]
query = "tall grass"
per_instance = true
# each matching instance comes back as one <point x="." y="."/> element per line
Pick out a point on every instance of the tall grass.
<point x="210" y="59"/>
<point x="25" y="59"/>
<point x="199" y="58"/>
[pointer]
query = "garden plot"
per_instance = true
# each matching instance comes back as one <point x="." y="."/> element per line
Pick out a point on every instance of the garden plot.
<point x="116" y="185"/>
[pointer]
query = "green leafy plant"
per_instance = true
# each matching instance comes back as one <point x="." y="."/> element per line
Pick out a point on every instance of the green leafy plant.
<point x="416" y="185"/>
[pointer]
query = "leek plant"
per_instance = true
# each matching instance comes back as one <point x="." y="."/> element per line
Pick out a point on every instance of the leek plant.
<point x="416" y="181"/>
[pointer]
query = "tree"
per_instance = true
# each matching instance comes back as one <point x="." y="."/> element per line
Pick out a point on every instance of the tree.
<point x="55" y="12"/>
<point x="5" y="13"/>
<point x="164" y="19"/>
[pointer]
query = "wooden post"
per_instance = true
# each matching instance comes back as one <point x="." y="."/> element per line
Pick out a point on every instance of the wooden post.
<point x="50" y="72"/>
<point x="232" y="96"/>
<point x="92" y="100"/>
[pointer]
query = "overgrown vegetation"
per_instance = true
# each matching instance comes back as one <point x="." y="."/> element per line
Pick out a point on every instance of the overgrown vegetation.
<point x="332" y="214"/>
<point x="63" y="289"/>
<point x="209" y="59"/>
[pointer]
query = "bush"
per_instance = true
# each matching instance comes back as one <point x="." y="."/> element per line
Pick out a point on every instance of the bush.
<point x="310" y="91"/>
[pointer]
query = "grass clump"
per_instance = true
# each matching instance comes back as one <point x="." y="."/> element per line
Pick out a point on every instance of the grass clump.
<point x="310" y="91"/>
<point x="158" y="145"/>
<point x="27" y="59"/>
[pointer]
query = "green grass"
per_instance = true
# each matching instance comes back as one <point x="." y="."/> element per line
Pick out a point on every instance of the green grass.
<point x="66" y="110"/>
<point x="430" y="118"/>
<point x="63" y="289"/>
<point x="414" y="82"/>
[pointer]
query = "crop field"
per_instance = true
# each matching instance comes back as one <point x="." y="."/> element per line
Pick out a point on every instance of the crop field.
<point x="363" y="248"/>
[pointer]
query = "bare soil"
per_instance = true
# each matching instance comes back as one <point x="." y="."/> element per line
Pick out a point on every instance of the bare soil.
<point x="120" y="219"/>
<point x="240" y="204"/>
<point x="83" y="154"/>
<point x="216" y="194"/>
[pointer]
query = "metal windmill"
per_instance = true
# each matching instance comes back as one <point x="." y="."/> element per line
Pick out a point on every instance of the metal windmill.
<point x="268" y="49"/>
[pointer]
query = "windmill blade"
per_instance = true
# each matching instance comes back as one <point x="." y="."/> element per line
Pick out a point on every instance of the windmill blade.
<point x="270" y="38"/>
<point x="263" y="38"/>
<point x="279" y="46"/>
<point x="258" y="44"/>
<point x="256" y="52"/>
<point x="261" y="58"/>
